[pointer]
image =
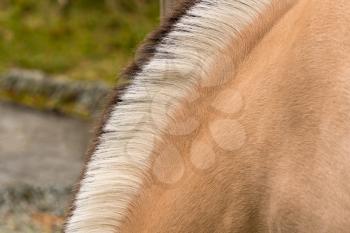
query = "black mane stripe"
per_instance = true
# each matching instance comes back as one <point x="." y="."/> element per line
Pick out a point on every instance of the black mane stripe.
<point x="143" y="55"/>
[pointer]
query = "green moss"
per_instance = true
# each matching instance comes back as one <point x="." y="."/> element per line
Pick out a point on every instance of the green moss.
<point x="89" y="40"/>
<point x="42" y="102"/>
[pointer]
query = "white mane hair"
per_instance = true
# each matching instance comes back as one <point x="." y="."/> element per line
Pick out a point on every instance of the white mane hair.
<point x="118" y="165"/>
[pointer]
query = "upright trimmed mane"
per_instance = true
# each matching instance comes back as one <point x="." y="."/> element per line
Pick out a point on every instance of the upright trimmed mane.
<point x="169" y="65"/>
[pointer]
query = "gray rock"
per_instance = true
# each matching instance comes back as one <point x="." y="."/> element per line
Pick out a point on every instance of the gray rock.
<point x="86" y="95"/>
<point x="40" y="148"/>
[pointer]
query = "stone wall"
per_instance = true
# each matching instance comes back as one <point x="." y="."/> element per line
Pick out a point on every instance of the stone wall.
<point x="38" y="90"/>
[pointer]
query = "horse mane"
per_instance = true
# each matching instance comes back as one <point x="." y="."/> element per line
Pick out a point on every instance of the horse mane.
<point x="144" y="54"/>
<point x="148" y="48"/>
<point x="168" y="63"/>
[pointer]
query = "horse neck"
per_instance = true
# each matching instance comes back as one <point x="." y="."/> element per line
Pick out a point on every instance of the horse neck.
<point x="144" y="146"/>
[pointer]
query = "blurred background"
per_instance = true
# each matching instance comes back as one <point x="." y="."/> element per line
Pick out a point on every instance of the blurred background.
<point x="58" y="61"/>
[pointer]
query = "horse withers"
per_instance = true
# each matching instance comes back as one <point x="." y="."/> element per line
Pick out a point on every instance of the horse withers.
<point x="235" y="120"/>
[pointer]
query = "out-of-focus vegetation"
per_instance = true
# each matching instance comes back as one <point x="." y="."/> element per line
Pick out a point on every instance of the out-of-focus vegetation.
<point x="81" y="39"/>
<point x="87" y="40"/>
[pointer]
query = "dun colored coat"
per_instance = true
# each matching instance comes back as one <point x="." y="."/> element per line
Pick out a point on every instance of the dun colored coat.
<point x="235" y="120"/>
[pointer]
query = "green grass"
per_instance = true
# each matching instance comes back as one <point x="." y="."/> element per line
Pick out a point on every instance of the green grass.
<point x="89" y="40"/>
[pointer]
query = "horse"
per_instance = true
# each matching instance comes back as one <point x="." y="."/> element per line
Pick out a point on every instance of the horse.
<point x="234" y="119"/>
